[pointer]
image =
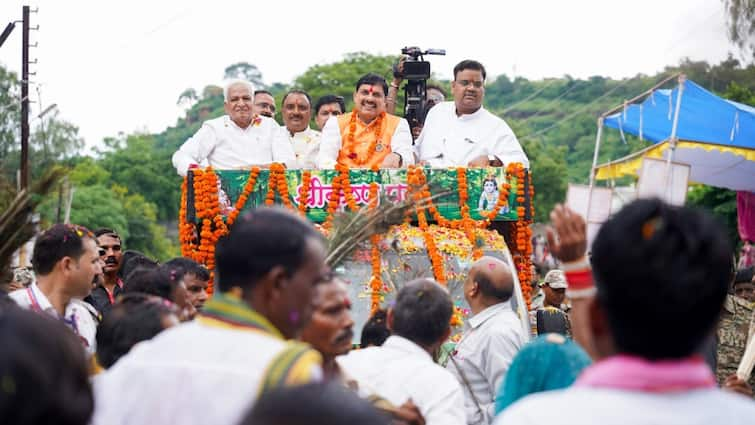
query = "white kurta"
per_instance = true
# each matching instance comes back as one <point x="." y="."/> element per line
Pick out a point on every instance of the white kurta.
<point x="79" y="315"/>
<point x="306" y="146"/>
<point x="601" y="406"/>
<point x="484" y="354"/>
<point x="192" y="374"/>
<point x="331" y="141"/>
<point x="448" y="140"/>
<point x="400" y="370"/>
<point x="224" y="145"/>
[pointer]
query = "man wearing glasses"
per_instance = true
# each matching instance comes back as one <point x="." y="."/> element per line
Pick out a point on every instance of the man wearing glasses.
<point x="463" y="133"/>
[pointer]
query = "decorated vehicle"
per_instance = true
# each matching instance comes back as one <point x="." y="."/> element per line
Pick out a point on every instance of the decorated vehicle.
<point x="384" y="227"/>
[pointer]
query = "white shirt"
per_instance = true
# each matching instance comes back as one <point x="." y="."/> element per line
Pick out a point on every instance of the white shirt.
<point x="400" y="370"/>
<point x="191" y="374"/>
<point x="306" y="146"/>
<point x="484" y="354"/>
<point x="80" y="317"/>
<point x="448" y="140"/>
<point x="330" y="144"/>
<point x="224" y="145"/>
<point x="600" y="406"/>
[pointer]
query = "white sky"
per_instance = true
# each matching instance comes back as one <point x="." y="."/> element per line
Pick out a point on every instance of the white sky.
<point x="114" y="66"/>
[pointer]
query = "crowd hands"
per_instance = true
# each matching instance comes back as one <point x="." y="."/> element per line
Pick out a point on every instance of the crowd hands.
<point x="141" y="341"/>
<point x="457" y="133"/>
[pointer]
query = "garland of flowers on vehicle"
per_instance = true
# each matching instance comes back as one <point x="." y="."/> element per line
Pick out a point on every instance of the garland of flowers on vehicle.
<point x="212" y="225"/>
<point x="376" y="281"/>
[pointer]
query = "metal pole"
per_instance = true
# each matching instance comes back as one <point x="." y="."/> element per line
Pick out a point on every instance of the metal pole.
<point x="71" y="190"/>
<point x="25" y="100"/>
<point x="672" y="139"/>
<point x="640" y="96"/>
<point x="595" y="154"/>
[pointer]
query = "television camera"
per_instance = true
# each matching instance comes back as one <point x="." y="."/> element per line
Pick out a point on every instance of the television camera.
<point x="416" y="72"/>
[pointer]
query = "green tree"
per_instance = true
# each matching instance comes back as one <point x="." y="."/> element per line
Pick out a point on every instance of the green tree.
<point x="740" y="19"/>
<point x="144" y="170"/>
<point x="10" y="109"/>
<point x="93" y="207"/>
<point x="54" y="140"/>
<point x="339" y="78"/>
<point x="245" y="71"/>
<point x="144" y="234"/>
<point x="187" y="97"/>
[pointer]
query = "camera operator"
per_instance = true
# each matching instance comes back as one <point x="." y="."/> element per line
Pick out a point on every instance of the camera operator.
<point x="463" y="133"/>
<point x="435" y="93"/>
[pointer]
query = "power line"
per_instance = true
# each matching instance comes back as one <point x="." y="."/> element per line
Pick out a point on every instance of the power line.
<point x="577" y="112"/>
<point x="556" y="99"/>
<point x="530" y="97"/>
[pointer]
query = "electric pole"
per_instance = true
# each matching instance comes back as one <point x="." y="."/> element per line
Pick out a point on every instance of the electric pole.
<point x="25" y="100"/>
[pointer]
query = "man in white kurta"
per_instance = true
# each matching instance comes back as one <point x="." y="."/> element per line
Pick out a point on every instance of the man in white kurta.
<point x="402" y="369"/>
<point x="462" y="132"/>
<point x="305" y="142"/>
<point x="208" y="371"/>
<point x="493" y="336"/>
<point x="237" y="140"/>
<point x="211" y="370"/>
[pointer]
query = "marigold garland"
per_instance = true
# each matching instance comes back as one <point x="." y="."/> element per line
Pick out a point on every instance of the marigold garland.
<point x="306" y="180"/>
<point x="212" y="225"/>
<point x="415" y="178"/>
<point x="248" y="189"/>
<point x="376" y="282"/>
<point x="351" y="139"/>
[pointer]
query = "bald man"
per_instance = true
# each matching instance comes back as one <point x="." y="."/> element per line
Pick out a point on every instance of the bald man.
<point x="493" y="337"/>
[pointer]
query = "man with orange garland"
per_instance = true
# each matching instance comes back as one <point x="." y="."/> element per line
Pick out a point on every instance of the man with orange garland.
<point x="366" y="136"/>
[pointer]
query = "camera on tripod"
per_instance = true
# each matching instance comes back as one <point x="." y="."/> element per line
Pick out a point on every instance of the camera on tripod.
<point x="416" y="72"/>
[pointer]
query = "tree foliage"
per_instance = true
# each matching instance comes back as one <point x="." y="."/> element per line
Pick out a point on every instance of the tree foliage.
<point x="740" y="20"/>
<point x="245" y="71"/>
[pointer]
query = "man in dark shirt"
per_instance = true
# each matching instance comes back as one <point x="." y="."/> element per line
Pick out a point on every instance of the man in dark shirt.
<point x="110" y="286"/>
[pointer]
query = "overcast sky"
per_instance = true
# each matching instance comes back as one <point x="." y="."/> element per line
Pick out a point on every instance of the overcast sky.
<point x="120" y="66"/>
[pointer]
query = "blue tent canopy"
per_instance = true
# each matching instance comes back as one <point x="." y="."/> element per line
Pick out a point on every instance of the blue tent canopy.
<point x="716" y="137"/>
<point x="703" y="117"/>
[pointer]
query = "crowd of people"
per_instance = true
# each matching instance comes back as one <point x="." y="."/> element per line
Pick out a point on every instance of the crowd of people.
<point x="649" y="326"/>
<point x="278" y="333"/>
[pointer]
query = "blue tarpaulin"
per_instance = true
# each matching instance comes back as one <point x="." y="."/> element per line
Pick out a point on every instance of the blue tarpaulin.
<point x="716" y="137"/>
<point x="703" y="117"/>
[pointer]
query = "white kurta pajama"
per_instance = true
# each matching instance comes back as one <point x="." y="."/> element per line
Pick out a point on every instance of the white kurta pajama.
<point x="222" y="144"/>
<point x="306" y="146"/>
<point x="448" y="140"/>
<point x="208" y="371"/>
<point x="400" y="370"/>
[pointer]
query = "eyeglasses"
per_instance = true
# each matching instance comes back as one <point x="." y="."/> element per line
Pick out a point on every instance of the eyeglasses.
<point x="465" y="83"/>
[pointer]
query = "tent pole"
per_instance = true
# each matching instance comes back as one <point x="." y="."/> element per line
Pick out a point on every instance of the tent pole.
<point x="673" y="138"/>
<point x="593" y="170"/>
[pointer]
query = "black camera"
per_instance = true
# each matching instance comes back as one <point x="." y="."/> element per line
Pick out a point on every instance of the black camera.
<point x="416" y="71"/>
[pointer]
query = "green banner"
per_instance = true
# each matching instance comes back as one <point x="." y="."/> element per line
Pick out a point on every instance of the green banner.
<point x="483" y="185"/>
